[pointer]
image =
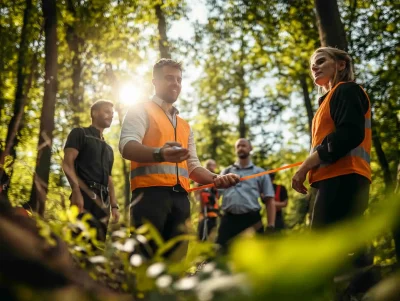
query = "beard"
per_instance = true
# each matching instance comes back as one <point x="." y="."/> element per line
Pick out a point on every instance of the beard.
<point x="243" y="155"/>
<point x="105" y="124"/>
<point x="170" y="97"/>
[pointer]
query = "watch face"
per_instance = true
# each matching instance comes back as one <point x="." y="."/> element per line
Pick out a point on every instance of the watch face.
<point x="157" y="155"/>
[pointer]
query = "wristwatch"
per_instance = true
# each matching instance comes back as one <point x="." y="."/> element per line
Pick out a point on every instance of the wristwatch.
<point x="157" y="155"/>
<point x="114" y="206"/>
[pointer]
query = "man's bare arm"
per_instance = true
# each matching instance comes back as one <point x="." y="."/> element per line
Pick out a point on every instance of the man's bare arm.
<point x="202" y="175"/>
<point x="68" y="165"/>
<point x="280" y="205"/>
<point x="271" y="211"/>
<point x="111" y="191"/>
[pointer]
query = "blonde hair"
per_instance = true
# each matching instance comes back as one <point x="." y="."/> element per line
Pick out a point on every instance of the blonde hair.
<point x="345" y="75"/>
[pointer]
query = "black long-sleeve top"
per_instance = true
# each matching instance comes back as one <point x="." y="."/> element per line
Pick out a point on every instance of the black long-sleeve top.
<point x="348" y="107"/>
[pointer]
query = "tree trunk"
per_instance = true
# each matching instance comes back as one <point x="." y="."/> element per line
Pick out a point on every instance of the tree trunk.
<point x="75" y="44"/>
<point x="331" y="30"/>
<point x="243" y="94"/>
<point x="307" y="101"/>
<point x="23" y="86"/>
<point x="41" y="178"/>
<point x="242" y="124"/>
<point x="162" y="30"/>
<point x="383" y="162"/>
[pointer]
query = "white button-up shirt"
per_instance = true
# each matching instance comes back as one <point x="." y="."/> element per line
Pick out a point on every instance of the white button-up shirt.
<point x="136" y="123"/>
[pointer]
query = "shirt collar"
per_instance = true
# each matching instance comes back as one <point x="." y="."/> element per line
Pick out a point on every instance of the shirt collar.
<point x="237" y="165"/>
<point x="322" y="98"/>
<point x="160" y="102"/>
<point x="96" y="132"/>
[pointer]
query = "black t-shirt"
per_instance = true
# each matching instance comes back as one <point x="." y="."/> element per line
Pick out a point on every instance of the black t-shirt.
<point x="283" y="196"/>
<point x="95" y="159"/>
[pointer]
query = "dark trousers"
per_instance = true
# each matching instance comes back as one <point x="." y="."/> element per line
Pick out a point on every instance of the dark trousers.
<point x="338" y="199"/>
<point x="233" y="224"/>
<point x="211" y="223"/>
<point x="279" y="222"/>
<point x="100" y="216"/>
<point x="166" y="209"/>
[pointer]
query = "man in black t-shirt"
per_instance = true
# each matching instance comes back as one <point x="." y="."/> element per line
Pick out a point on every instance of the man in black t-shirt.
<point x="87" y="163"/>
<point x="281" y="201"/>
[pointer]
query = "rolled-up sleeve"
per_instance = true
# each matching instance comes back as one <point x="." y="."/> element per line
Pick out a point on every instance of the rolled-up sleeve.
<point x="134" y="126"/>
<point x="267" y="189"/>
<point x="193" y="161"/>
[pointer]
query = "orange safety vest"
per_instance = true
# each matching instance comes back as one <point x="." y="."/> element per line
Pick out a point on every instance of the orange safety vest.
<point x="212" y="209"/>
<point x="161" y="130"/>
<point x="356" y="161"/>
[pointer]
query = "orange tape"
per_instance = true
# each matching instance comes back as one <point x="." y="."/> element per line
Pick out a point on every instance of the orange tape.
<point x="251" y="176"/>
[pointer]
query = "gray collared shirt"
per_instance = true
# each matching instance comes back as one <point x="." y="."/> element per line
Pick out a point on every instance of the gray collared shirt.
<point x="135" y="125"/>
<point x="243" y="198"/>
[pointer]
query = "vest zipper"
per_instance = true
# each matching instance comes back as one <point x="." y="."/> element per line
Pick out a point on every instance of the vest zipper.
<point x="176" y="165"/>
<point x="176" y="125"/>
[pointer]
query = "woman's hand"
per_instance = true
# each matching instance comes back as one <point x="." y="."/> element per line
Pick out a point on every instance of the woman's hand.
<point x="300" y="176"/>
<point x="298" y="180"/>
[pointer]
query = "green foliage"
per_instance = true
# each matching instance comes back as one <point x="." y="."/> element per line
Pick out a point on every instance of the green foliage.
<point x="299" y="266"/>
<point x="251" y="78"/>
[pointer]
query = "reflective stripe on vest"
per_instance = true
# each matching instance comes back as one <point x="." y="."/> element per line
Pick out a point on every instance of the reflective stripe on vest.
<point x="355" y="152"/>
<point x="159" y="169"/>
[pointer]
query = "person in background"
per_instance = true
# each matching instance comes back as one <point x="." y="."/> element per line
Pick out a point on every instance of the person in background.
<point x="281" y="201"/>
<point x="87" y="163"/>
<point x="209" y="208"/>
<point x="240" y="203"/>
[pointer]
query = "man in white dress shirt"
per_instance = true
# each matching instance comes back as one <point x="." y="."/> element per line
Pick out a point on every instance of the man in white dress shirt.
<point x="161" y="148"/>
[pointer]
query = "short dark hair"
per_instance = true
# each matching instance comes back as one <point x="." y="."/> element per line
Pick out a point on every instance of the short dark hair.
<point x="165" y="62"/>
<point x="98" y="104"/>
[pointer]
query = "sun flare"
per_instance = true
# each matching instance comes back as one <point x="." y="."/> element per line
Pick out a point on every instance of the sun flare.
<point x="129" y="94"/>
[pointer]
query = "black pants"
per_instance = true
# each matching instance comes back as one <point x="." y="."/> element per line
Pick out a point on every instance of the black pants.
<point x="211" y="224"/>
<point x="279" y="222"/>
<point x="340" y="198"/>
<point x="233" y="224"/>
<point x="100" y="215"/>
<point x="166" y="209"/>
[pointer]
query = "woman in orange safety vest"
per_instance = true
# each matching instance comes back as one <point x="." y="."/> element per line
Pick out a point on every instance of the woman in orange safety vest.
<point x="339" y="162"/>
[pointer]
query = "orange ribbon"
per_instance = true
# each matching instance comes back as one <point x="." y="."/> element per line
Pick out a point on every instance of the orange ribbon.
<point x="251" y="176"/>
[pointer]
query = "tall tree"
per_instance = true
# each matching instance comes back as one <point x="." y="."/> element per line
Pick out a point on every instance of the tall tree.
<point x="24" y="81"/>
<point x="42" y="170"/>
<point x="331" y="30"/>
<point x="163" y="43"/>
<point x="76" y="44"/>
